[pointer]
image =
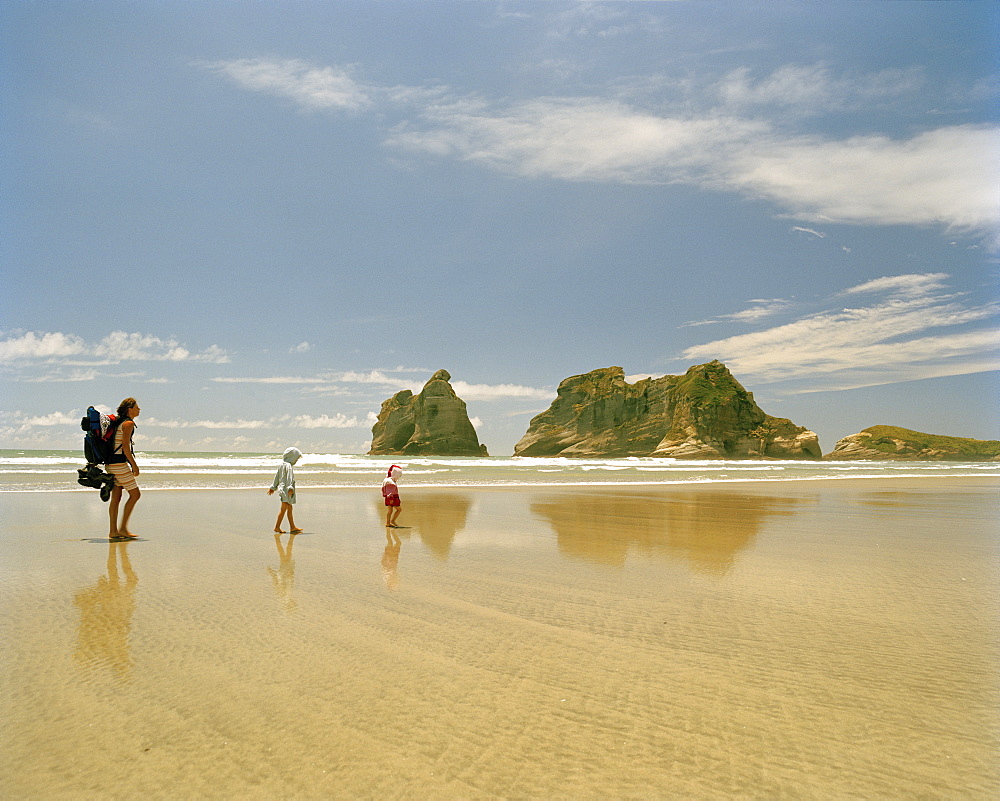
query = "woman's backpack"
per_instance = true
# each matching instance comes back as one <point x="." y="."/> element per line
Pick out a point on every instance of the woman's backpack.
<point x="99" y="441"/>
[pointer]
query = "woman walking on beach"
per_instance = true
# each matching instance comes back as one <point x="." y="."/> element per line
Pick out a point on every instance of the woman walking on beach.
<point x="123" y="467"/>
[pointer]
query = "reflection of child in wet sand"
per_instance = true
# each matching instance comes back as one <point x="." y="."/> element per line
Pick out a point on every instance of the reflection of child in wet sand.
<point x="390" y="560"/>
<point x="284" y="577"/>
<point x="284" y="483"/>
<point x="390" y="491"/>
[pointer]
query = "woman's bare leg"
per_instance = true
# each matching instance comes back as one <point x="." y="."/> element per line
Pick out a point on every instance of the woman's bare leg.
<point x="133" y="498"/>
<point x="116" y="498"/>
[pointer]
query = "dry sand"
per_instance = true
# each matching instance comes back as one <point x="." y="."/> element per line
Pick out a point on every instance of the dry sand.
<point x="803" y="639"/>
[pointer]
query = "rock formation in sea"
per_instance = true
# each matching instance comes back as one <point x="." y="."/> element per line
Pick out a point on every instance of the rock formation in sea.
<point x="433" y="423"/>
<point x="703" y="414"/>
<point x="902" y="444"/>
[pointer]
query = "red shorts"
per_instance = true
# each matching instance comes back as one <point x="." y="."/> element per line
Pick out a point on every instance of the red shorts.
<point x="392" y="500"/>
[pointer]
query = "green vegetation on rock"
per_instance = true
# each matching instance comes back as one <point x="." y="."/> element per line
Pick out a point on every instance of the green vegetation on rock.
<point x="435" y="422"/>
<point x="892" y="442"/>
<point x="703" y="414"/>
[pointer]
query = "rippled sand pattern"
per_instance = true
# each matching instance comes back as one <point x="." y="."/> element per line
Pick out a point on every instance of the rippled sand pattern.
<point x="819" y="639"/>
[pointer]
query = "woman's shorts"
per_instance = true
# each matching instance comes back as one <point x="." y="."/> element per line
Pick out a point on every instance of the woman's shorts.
<point x="392" y="500"/>
<point x="123" y="476"/>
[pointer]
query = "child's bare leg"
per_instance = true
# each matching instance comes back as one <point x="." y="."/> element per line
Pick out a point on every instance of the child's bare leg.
<point x="394" y="515"/>
<point x="281" y="516"/>
<point x="291" y="521"/>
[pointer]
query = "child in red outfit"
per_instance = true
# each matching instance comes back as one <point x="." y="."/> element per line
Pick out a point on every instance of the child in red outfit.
<point x="390" y="491"/>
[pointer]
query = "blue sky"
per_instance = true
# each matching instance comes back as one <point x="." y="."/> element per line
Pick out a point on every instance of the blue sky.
<point x="263" y="219"/>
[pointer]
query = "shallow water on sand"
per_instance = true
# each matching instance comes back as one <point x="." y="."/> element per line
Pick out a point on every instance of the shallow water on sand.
<point x="804" y="639"/>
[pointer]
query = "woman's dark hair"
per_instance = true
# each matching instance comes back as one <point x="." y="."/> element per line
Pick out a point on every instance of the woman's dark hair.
<point x="124" y="406"/>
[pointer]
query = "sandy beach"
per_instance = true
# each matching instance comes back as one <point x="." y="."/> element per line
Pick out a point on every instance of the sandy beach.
<point x="798" y="639"/>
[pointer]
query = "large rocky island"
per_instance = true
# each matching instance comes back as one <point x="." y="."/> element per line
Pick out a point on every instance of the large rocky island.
<point x="902" y="444"/>
<point x="703" y="414"/>
<point x="433" y="423"/>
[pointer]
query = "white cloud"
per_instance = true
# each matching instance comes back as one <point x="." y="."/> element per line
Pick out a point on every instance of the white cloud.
<point x="52" y="419"/>
<point x="118" y="346"/>
<point x="211" y="424"/>
<point x="44" y="346"/>
<point x="759" y="310"/>
<point x="943" y="176"/>
<point x="883" y="342"/>
<point x="327" y="421"/>
<point x="275" y="379"/>
<point x="486" y="392"/>
<point x="302" y="347"/>
<point x="947" y="176"/>
<point x="912" y="284"/>
<point x="332" y="380"/>
<point x="814" y="88"/>
<point x="15" y="426"/>
<point x="808" y="231"/>
<point x="284" y="421"/>
<point x="310" y="87"/>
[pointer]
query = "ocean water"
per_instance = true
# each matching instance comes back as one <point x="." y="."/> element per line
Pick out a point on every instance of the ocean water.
<point x="55" y="471"/>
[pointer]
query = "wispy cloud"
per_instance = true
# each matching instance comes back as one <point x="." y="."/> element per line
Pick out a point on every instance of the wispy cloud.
<point x="278" y="422"/>
<point x="914" y="284"/>
<point x="23" y="422"/>
<point x="818" y="234"/>
<point x="883" y="342"/>
<point x="943" y="176"/>
<point x="759" y="309"/>
<point x="389" y="382"/>
<point x="54" y="347"/>
<point x="310" y="87"/>
<point x="490" y="392"/>
<point x="815" y="88"/>
<point x="940" y="176"/>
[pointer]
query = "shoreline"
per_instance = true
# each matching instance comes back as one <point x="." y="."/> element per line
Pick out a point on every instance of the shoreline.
<point x="547" y="485"/>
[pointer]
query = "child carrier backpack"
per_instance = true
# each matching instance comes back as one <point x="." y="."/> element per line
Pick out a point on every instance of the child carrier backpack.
<point x="99" y="441"/>
<point x="99" y="448"/>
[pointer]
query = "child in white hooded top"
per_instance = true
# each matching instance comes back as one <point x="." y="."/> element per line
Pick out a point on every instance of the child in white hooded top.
<point x="284" y="483"/>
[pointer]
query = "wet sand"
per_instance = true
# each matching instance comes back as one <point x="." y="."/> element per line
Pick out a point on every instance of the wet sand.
<point x="803" y="639"/>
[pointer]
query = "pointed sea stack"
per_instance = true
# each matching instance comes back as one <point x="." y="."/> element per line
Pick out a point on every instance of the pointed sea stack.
<point x="433" y="423"/>
<point x="703" y="414"/>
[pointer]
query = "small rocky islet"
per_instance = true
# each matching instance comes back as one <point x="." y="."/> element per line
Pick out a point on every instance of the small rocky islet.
<point x="434" y="422"/>
<point x="704" y="414"/>
<point x="904" y="445"/>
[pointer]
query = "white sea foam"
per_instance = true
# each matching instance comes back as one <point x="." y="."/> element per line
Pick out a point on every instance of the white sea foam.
<point x="55" y="471"/>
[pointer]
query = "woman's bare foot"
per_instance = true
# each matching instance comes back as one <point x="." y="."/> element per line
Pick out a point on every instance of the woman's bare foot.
<point x="278" y="531"/>
<point x="296" y="531"/>
<point x="126" y="535"/>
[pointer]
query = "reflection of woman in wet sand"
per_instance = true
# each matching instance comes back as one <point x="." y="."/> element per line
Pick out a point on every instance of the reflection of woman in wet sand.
<point x="284" y="577"/>
<point x="106" y="616"/>
<point x="390" y="560"/>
